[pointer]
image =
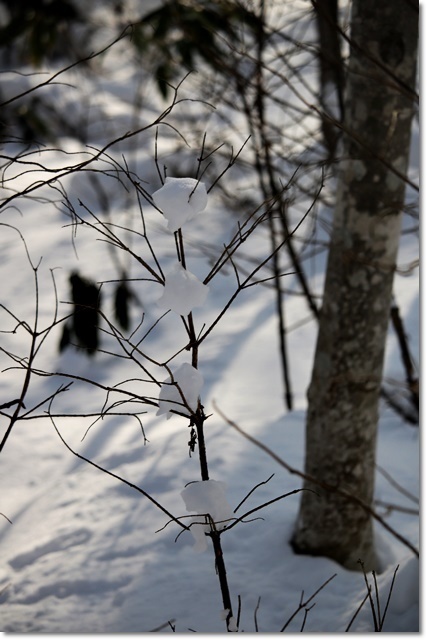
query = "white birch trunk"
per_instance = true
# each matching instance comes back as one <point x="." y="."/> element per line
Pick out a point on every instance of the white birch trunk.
<point x="344" y="390"/>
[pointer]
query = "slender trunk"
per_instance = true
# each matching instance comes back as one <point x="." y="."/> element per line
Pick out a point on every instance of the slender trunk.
<point x="331" y="71"/>
<point x="344" y="392"/>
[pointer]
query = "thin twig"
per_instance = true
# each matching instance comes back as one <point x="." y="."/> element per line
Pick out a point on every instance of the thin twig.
<point x="262" y="506"/>
<point x="396" y="485"/>
<point x="169" y="623"/>
<point x="377" y="597"/>
<point x="8" y="519"/>
<point x="256" y="614"/>
<point x="304" y="620"/>
<point x="356" y="613"/>
<point x="303" y="604"/>
<point x="251" y="492"/>
<point x="371" y="600"/>
<point x="239" y="610"/>
<point x="388" y="598"/>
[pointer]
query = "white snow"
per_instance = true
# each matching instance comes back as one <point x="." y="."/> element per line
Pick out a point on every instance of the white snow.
<point x="183" y="291"/>
<point x="187" y="381"/>
<point x="232" y="624"/>
<point x="180" y="199"/>
<point x="207" y="497"/>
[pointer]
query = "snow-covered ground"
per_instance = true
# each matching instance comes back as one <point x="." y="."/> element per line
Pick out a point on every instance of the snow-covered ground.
<point x="86" y="553"/>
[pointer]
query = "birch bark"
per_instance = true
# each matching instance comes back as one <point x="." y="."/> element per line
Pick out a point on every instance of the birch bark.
<point x="343" y="395"/>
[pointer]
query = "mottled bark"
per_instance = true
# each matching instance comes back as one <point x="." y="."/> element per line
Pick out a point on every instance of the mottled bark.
<point x="344" y="391"/>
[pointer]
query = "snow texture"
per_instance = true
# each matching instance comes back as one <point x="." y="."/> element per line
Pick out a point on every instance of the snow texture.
<point x="180" y="199"/>
<point x="183" y="291"/>
<point x="208" y="496"/>
<point x="190" y="383"/>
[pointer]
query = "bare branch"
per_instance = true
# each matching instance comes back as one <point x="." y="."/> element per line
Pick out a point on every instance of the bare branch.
<point x="303" y="603"/>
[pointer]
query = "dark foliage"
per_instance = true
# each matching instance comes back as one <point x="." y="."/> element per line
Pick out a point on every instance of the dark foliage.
<point x="38" y="28"/>
<point x="39" y="32"/>
<point x="181" y="31"/>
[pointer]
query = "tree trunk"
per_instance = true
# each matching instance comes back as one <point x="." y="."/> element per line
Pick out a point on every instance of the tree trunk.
<point x="331" y="70"/>
<point x="344" y="391"/>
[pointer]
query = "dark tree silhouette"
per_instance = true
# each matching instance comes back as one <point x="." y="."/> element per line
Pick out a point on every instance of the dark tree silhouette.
<point x="84" y="322"/>
<point x="122" y="297"/>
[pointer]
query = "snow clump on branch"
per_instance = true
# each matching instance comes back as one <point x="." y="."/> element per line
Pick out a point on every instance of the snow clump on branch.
<point x="182" y="291"/>
<point x="190" y="382"/>
<point x="180" y="199"/>
<point x="207" y="496"/>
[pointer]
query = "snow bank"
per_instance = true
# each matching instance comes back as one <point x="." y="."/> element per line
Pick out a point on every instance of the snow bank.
<point x="203" y="497"/>
<point x="180" y="199"/>
<point x="183" y="291"/>
<point x="403" y="612"/>
<point x="189" y="381"/>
